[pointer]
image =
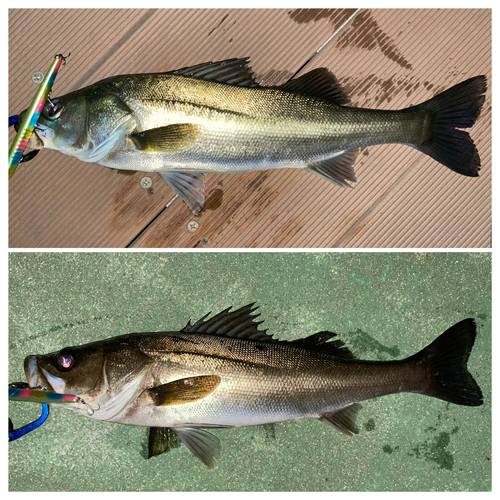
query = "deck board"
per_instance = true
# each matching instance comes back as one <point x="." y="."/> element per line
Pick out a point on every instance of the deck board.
<point x="384" y="58"/>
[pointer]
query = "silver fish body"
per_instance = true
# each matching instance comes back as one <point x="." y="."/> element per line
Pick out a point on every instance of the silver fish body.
<point x="215" y="118"/>
<point x="224" y="372"/>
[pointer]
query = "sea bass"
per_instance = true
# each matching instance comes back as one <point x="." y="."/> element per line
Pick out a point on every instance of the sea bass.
<point x="215" y="117"/>
<point x="225" y="372"/>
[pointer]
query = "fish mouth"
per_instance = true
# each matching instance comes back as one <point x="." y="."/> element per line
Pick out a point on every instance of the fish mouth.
<point x="36" y="142"/>
<point x="40" y="132"/>
<point x="40" y="378"/>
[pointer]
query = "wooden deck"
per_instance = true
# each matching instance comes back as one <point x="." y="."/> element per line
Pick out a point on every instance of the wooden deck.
<point x="387" y="59"/>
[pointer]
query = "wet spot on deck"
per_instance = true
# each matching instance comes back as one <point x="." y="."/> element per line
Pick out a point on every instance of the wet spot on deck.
<point x="361" y="341"/>
<point x="370" y="425"/>
<point x="365" y="33"/>
<point x="435" y="450"/>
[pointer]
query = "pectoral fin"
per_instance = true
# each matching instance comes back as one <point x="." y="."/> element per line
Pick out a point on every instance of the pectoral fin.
<point x="189" y="186"/>
<point x="170" y="139"/>
<point x="185" y="390"/>
<point x="200" y="443"/>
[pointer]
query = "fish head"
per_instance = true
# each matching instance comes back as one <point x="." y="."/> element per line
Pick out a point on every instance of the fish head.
<point x="106" y="375"/>
<point x="60" y="125"/>
<point x="55" y="128"/>
<point x="85" y="124"/>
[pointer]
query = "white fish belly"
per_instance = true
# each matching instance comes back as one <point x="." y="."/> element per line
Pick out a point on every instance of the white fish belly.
<point x="229" y="144"/>
<point x="241" y="401"/>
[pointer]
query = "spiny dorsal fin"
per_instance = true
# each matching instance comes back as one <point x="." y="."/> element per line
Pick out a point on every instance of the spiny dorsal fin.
<point x="240" y="323"/>
<point x="161" y="440"/>
<point x="230" y="71"/>
<point x="343" y="420"/>
<point x="319" y="82"/>
<point x="319" y="342"/>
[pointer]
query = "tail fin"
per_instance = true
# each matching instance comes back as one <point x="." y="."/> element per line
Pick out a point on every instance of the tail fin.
<point x="455" y="108"/>
<point x="447" y="360"/>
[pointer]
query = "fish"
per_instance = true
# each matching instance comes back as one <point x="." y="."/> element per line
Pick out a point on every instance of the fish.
<point x="225" y="372"/>
<point x="215" y="117"/>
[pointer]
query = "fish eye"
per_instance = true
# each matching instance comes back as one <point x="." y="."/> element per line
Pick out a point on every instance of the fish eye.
<point x="65" y="360"/>
<point x="52" y="109"/>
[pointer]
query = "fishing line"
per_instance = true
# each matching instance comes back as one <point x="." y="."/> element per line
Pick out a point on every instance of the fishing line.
<point x="326" y="43"/>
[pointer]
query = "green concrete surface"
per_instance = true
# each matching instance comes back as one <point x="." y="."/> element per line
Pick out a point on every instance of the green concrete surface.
<point x="384" y="306"/>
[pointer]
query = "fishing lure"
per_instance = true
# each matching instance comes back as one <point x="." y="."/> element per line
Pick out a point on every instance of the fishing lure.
<point x="20" y="391"/>
<point x="30" y="119"/>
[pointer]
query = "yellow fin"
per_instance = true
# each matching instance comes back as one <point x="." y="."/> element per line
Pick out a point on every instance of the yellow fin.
<point x="170" y="139"/>
<point x="185" y="390"/>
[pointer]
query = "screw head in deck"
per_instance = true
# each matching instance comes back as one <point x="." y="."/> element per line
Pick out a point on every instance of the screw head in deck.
<point x="37" y="77"/>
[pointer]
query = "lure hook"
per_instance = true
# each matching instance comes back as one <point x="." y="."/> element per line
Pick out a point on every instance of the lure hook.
<point x="90" y="410"/>
<point x="63" y="58"/>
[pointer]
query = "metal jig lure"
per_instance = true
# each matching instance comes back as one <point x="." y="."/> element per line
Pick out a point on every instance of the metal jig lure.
<point x="28" y="123"/>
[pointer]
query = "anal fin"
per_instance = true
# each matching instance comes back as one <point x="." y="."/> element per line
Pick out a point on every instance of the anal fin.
<point x="339" y="169"/>
<point x="343" y="420"/>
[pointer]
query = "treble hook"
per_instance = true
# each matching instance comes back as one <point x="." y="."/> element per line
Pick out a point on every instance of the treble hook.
<point x="63" y="58"/>
<point x="26" y="429"/>
<point x="14" y="120"/>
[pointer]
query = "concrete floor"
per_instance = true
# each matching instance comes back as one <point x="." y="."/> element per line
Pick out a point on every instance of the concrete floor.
<point x="383" y="305"/>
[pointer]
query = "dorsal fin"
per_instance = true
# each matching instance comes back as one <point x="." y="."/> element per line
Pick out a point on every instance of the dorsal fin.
<point x="319" y="82"/>
<point x="319" y="342"/>
<point x="240" y="323"/>
<point x="230" y="71"/>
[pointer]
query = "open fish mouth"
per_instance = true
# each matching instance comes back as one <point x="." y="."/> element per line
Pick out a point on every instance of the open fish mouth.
<point x="40" y="132"/>
<point x="40" y="378"/>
